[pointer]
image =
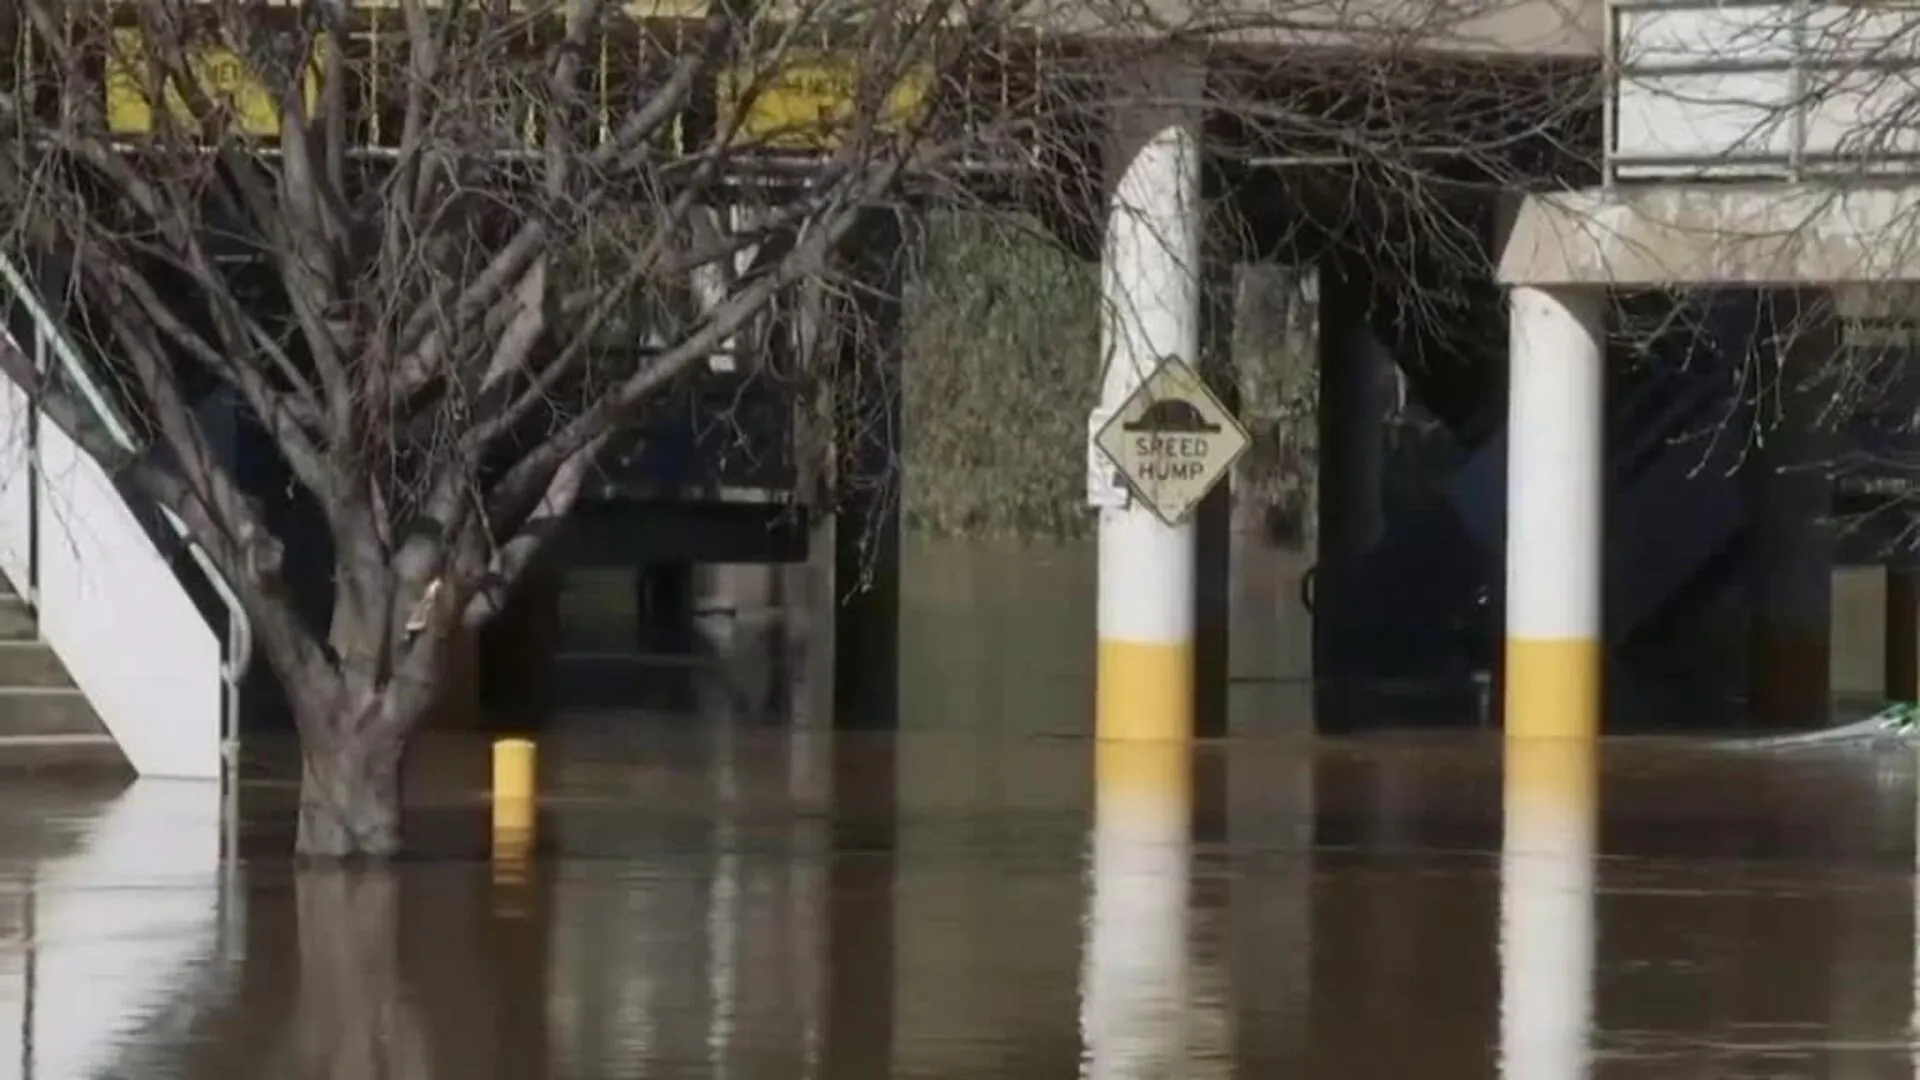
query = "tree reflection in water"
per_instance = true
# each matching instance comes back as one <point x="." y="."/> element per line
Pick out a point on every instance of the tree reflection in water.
<point x="355" y="1018"/>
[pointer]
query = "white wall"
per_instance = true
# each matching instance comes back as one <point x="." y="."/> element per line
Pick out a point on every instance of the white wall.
<point x="16" y="484"/>
<point x="120" y="620"/>
<point x="108" y="604"/>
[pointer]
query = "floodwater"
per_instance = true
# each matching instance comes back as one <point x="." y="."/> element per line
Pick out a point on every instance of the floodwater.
<point x="716" y="899"/>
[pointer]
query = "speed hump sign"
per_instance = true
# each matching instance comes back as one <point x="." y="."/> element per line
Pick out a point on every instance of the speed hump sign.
<point x="1172" y="440"/>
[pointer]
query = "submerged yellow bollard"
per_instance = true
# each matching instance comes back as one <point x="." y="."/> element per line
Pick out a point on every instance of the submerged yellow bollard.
<point x="514" y="806"/>
<point x="513" y="770"/>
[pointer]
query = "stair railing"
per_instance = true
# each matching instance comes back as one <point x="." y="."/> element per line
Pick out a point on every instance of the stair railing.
<point x="52" y="344"/>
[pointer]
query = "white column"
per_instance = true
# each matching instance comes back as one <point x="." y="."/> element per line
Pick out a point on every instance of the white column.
<point x="1150" y="308"/>
<point x="1135" y="972"/>
<point x="1556" y="457"/>
<point x="1546" y="910"/>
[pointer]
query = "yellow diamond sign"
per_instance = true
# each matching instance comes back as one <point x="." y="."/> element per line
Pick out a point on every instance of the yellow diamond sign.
<point x="1173" y="440"/>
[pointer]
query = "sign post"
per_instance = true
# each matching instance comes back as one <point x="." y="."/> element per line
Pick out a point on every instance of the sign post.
<point x="1173" y="440"/>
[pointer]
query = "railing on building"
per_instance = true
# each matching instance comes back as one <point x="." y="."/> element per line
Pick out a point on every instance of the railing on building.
<point x="1747" y="90"/>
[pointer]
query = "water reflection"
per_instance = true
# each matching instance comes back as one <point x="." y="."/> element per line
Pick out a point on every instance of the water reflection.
<point x="742" y="904"/>
<point x="1137" y="985"/>
<point x="352" y="1015"/>
<point x="1550" y="819"/>
<point x="121" y="923"/>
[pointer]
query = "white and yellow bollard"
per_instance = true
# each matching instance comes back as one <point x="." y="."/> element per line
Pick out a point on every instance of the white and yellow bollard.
<point x="1551" y="821"/>
<point x="1150" y="293"/>
<point x="1556" y="455"/>
<point x="1136" y="971"/>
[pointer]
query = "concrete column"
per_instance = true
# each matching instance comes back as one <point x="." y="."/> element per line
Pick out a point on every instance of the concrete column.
<point x="1790" y="590"/>
<point x="663" y="604"/>
<point x="1213" y="532"/>
<point x="519" y="654"/>
<point x="743" y="618"/>
<point x="457" y="707"/>
<point x="1351" y="416"/>
<point x="1556" y="415"/>
<point x="664" y="632"/>
<point x="1355" y="374"/>
<point x="1902" y="640"/>
<point x="866" y="528"/>
<point x="1150" y="307"/>
<point x="1550" y="808"/>
<point x="1136" y="970"/>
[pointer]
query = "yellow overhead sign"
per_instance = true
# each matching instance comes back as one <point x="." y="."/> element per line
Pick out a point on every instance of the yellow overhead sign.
<point x="223" y="76"/>
<point x="805" y="101"/>
<point x="809" y="103"/>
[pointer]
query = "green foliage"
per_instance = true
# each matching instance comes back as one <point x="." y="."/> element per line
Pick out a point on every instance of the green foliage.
<point x="1002" y="363"/>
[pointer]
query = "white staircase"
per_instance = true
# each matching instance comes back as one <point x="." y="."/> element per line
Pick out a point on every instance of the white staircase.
<point x="106" y="600"/>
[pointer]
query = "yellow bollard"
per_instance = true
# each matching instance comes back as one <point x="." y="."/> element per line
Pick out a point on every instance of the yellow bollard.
<point x="514" y="809"/>
<point x="513" y="770"/>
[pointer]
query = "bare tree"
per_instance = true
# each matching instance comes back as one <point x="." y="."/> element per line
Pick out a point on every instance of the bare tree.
<point x="402" y="236"/>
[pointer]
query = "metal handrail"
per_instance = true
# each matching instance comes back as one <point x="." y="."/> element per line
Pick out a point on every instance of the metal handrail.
<point x="239" y="627"/>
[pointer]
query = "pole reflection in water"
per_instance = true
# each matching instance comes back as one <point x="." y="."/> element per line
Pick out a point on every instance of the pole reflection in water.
<point x="1271" y="810"/>
<point x="1135" y="973"/>
<point x="1550" y="810"/>
<point x="724" y="908"/>
<point x="861" y="936"/>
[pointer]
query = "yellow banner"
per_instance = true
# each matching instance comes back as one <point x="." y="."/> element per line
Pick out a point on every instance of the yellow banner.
<point x="222" y="74"/>
<point x="809" y="103"/>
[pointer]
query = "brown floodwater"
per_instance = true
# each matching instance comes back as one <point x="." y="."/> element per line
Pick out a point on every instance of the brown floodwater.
<point x="984" y="895"/>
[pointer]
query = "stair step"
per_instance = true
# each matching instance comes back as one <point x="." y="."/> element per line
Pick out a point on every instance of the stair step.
<point x="33" y="664"/>
<point x="16" y="618"/>
<point x="41" y="711"/>
<point x="81" y="753"/>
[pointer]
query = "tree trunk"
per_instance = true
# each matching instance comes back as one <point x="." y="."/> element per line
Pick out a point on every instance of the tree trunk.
<point x="350" y="785"/>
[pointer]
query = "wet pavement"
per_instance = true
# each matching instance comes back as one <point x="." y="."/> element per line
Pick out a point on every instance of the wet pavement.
<point x="747" y="904"/>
